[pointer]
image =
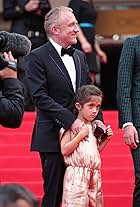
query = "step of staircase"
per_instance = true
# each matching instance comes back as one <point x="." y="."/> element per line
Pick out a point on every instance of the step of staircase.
<point x="20" y="165"/>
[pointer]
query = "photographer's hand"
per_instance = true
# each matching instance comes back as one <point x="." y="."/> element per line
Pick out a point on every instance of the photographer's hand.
<point x="7" y="72"/>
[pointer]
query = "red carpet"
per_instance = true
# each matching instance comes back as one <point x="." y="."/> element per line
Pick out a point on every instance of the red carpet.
<point x="20" y="165"/>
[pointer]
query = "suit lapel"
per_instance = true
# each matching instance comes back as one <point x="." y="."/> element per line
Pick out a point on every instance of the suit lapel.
<point x="78" y="69"/>
<point x="59" y="63"/>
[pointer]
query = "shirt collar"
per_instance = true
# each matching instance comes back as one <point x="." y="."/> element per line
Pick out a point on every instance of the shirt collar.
<point x="56" y="46"/>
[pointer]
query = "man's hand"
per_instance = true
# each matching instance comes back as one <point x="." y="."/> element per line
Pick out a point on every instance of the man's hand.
<point x="8" y="72"/>
<point x="130" y="136"/>
<point x="76" y="126"/>
<point x="109" y="132"/>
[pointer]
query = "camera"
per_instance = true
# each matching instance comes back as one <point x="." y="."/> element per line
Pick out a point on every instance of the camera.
<point x="100" y="134"/>
<point x="3" y="40"/>
<point x="3" y="63"/>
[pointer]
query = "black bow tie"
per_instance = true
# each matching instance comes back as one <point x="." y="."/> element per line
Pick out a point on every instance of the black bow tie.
<point x="68" y="51"/>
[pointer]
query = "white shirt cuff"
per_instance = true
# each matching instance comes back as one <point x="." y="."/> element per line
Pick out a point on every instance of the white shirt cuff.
<point x="127" y="124"/>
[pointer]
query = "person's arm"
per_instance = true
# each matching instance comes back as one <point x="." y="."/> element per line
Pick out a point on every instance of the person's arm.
<point x="109" y="136"/>
<point x="103" y="144"/>
<point x="102" y="55"/>
<point x="11" y="97"/>
<point x="124" y="85"/>
<point x="69" y="143"/>
<point x="85" y="45"/>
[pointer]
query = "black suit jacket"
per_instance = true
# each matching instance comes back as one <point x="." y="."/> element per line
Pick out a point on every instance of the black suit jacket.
<point x="52" y="93"/>
<point x="128" y="82"/>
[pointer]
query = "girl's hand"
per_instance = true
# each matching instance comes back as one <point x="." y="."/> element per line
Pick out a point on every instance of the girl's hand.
<point x="109" y="132"/>
<point x="84" y="132"/>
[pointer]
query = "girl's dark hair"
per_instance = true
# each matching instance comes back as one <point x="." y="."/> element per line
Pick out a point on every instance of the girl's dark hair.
<point x="84" y="93"/>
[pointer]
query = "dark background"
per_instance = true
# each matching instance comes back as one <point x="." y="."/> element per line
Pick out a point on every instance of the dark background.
<point x="109" y="76"/>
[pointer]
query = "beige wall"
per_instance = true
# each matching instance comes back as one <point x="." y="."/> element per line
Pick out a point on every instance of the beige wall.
<point x="1" y="5"/>
<point x="118" y="22"/>
<point x="4" y="25"/>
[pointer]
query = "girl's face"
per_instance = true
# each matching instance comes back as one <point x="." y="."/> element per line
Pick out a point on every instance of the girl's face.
<point x="89" y="110"/>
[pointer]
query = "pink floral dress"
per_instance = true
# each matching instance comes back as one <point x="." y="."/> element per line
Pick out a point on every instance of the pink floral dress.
<point x="82" y="180"/>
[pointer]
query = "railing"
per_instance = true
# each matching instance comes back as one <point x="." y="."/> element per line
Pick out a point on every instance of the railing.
<point x="116" y="4"/>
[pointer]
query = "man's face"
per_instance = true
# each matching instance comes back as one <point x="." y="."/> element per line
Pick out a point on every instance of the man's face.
<point x="67" y="29"/>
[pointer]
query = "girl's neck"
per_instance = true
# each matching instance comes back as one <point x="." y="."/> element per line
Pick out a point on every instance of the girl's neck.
<point x="84" y="120"/>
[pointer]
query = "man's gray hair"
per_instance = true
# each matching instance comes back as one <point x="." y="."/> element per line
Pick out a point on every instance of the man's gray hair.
<point x="52" y="17"/>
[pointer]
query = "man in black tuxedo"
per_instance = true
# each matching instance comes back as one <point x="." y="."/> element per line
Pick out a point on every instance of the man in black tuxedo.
<point x="11" y="93"/>
<point x="53" y="77"/>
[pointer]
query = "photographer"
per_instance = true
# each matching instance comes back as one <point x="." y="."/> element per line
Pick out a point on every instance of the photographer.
<point x="11" y="93"/>
<point x="27" y="18"/>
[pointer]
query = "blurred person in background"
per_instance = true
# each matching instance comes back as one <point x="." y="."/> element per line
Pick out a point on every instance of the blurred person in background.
<point x="86" y="15"/>
<point x="27" y="18"/>
<point x="16" y="195"/>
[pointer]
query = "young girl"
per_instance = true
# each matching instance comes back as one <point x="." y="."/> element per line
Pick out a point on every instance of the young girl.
<point x="82" y="180"/>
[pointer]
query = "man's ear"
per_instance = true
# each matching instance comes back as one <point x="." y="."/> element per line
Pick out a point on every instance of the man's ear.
<point x="54" y="29"/>
<point x="78" y="106"/>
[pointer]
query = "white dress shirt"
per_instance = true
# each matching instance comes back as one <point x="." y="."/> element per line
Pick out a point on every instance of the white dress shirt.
<point x="68" y="62"/>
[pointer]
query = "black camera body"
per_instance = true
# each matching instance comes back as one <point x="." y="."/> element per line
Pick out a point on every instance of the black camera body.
<point x="2" y="41"/>
<point x="3" y="63"/>
<point x="100" y="134"/>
